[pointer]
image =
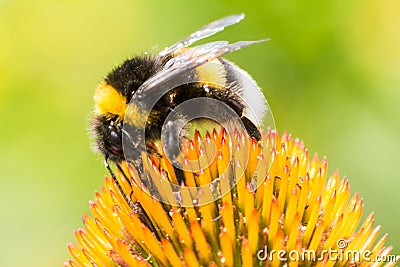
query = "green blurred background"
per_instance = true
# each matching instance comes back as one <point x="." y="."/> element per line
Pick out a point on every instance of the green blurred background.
<point x="331" y="74"/>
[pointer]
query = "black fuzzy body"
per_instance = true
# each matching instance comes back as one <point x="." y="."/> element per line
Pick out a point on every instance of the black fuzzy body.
<point x="127" y="78"/>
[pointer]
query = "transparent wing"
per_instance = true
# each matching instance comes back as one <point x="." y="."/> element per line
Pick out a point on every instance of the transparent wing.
<point x="192" y="53"/>
<point x="208" y="30"/>
<point x="193" y="58"/>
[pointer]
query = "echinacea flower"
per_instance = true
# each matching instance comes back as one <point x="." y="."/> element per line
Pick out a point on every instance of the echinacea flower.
<point x="281" y="210"/>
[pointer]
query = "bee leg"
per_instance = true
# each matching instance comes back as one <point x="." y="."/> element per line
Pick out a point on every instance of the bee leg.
<point x="144" y="218"/>
<point x="251" y="129"/>
<point x="128" y="200"/>
<point x="124" y="174"/>
<point x="170" y="138"/>
<point x="129" y="181"/>
<point x="179" y="174"/>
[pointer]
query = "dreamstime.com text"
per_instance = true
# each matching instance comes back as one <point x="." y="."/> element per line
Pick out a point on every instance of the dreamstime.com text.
<point x="339" y="254"/>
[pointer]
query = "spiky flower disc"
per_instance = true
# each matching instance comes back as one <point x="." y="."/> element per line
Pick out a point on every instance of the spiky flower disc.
<point x="294" y="209"/>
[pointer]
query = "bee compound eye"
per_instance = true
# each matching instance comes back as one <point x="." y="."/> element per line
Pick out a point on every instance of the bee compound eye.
<point x="114" y="136"/>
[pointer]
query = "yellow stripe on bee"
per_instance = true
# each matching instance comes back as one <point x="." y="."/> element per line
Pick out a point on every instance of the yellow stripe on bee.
<point x="212" y="72"/>
<point x="134" y="116"/>
<point x="108" y="101"/>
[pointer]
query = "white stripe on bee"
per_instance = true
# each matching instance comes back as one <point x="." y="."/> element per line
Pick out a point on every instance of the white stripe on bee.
<point x="256" y="105"/>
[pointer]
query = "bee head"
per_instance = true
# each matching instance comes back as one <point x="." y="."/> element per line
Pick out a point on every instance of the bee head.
<point x="112" y="97"/>
<point x="108" y="135"/>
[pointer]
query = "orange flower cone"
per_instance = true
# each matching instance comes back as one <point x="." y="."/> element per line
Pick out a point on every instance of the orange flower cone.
<point x="281" y="210"/>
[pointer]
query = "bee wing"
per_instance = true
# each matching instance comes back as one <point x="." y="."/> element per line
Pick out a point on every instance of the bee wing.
<point x="208" y="30"/>
<point x="190" y="60"/>
<point x="193" y="53"/>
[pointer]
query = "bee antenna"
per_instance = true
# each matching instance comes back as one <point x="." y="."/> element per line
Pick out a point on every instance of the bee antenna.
<point x="129" y="201"/>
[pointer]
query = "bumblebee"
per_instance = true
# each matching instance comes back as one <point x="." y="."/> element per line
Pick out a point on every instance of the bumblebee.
<point x="121" y="112"/>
